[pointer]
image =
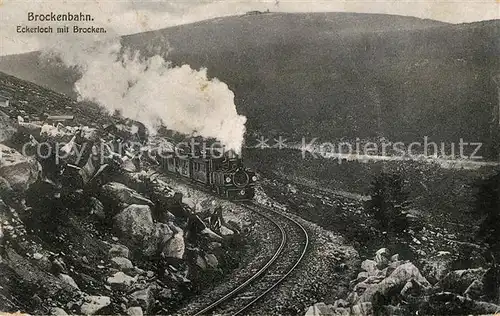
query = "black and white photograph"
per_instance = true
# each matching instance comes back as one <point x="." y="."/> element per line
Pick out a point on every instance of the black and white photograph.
<point x="250" y="157"/>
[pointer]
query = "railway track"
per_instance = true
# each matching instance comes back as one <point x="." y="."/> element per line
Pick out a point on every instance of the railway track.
<point x="286" y="258"/>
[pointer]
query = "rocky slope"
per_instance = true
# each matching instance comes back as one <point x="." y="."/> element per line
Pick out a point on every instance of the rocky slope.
<point x="102" y="248"/>
<point x="85" y="230"/>
<point x="82" y="231"/>
<point x="388" y="285"/>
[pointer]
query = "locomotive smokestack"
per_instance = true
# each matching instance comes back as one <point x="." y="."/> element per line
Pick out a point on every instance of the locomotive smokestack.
<point x="231" y="154"/>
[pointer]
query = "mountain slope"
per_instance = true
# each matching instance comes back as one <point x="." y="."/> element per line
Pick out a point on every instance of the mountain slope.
<point x="332" y="75"/>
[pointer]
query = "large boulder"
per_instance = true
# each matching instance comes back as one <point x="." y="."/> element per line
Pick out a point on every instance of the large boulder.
<point x="120" y="281"/>
<point x="123" y="264"/>
<point x="175" y="247"/>
<point x="370" y="266"/>
<point x="319" y="309"/>
<point x="134" y="311"/>
<point x="69" y="280"/>
<point x="143" y="298"/>
<point x="18" y="170"/>
<point x="118" y="196"/>
<point x="395" y="282"/>
<point x="117" y="250"/>
<point x="137" y="229"/>
<point x="94" y="304"/>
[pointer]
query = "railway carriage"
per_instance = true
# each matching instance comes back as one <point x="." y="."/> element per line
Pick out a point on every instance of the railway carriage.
<point x="226" y="176"/>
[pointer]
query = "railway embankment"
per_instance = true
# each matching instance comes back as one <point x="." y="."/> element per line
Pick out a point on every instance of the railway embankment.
<point x="84" y="236"/>
<point x="107" y="238"/>
<point x="107" y="246"/>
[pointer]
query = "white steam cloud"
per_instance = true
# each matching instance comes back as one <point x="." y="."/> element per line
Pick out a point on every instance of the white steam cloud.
<point x="154" y="92"/>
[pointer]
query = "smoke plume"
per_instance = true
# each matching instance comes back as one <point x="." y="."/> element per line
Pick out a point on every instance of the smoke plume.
<point x="154" y="92"/>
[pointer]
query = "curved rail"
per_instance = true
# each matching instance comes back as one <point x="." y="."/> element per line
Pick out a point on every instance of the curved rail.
<point x="304" y="250"/>
<point x="253" y="277"/>
<point x="253" y="207"/>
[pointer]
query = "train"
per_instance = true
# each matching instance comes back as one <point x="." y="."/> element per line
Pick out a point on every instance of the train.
<point x="223" y="174"/>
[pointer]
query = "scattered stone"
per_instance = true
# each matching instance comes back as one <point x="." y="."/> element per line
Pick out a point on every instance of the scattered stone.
<point x="66" y="278"/>
<point x="381" y="258"/>
<point x="382" y="252"/>
<point x="211" y="234"/>
<point x="438" y="266"/>
<point x="122" y="263"/>
<point x="175" y="247"/>
<point x="118" y="251"/>
<point x="211" y="260"/>
<point x="56" y="311"/>
<point x="340" y="303"/>
<point x="362" y="309"/>
<point x="446" y="303"/>
<point x="137" y="228"/>
<point x="319" y="309"/>
<point x="362" y="276"/>
<point x="97" y="208"/>
<point x="224" y="231"/>
<point x="214" y="245"/>
<point x="120" y="281"/>
<point x="123" y="196"/>
<point x="200" y="262"/>
<point x="396" y="280"/>
<point x="134" y="311"/>
<point x="144" y="298"/>
<point x="395" y="258"/>
<point x="93" y="304"/>
<point x="176" y="229"/>
<point x="164" y="233"/>
<point x="37" y="256"/>
<point x="458" y="281"/>
<point x="370" y="266"/>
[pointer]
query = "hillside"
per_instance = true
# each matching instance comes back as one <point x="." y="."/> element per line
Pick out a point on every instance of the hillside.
<point x="332" y="75"/>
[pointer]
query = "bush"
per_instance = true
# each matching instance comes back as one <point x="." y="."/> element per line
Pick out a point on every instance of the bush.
<point x="488" y="207"/>
<point x="389" y="202"/>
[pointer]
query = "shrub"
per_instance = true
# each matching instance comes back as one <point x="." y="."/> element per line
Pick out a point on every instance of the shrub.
<point x="488" y="207"/>
<point x="389" y="202"/>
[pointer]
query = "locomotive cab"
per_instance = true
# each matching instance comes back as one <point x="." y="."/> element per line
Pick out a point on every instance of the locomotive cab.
<point x="223" y="174"/>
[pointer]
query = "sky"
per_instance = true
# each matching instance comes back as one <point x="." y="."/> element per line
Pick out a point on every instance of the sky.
<point x="121" y="17"/>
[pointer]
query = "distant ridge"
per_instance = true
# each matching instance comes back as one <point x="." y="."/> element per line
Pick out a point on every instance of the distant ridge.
<point x="332" y="75"/>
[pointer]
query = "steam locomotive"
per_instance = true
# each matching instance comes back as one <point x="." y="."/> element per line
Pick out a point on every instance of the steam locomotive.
<point x="224" y="175"/>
